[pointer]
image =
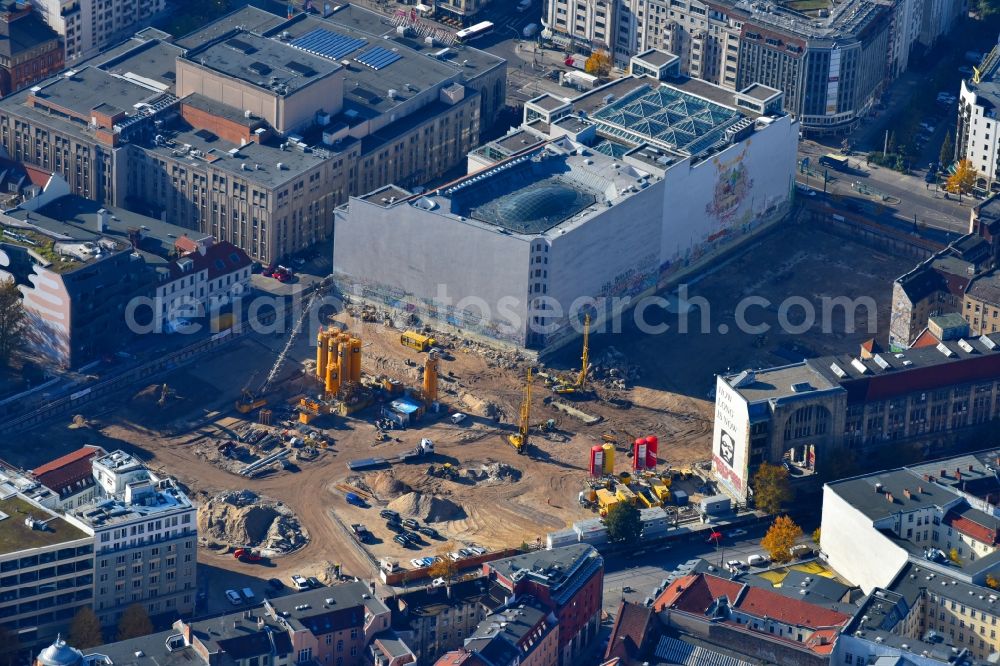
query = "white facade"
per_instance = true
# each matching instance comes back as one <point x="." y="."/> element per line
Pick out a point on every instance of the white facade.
<point x="89" y="26"/>
<point x="731" y="439"/>
<point x="591" y="22"/>
<point x="979" y="140"/>
<point x="855" y="547"/>
<point x="194" y="293"/>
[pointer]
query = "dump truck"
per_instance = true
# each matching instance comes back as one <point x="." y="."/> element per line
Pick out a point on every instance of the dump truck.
<point x="647" y="497"/>
<point x="415" y="340"/>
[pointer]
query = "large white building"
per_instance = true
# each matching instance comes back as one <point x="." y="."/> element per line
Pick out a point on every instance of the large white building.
<point x="593" y="203"/>
<point x="978" y="135"/>
<point x="90" y="26"/>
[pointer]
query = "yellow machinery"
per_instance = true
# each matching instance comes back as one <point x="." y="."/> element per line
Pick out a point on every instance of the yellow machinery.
<point x="580" y="384"/>
<point x="645" y="496"/>
<point x="431" y="378"/>
<point x="249" y="402"/>
<point x="519" y="440"/>
<point x="415" y="340"/>
<point x="338" y="360"/>
<point x="609" y="458"/>
<point x="660" y="488"/>
<point x="605" y="500"/>
<point x="625" y="494"/>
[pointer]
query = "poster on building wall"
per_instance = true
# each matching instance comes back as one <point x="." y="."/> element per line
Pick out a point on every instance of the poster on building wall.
<point x="730" y="440"/>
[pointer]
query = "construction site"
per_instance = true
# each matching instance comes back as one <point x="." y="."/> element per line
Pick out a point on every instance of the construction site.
<point x="330" y="431"/>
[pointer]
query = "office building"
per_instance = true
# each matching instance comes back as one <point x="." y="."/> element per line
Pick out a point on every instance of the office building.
<point x="254" y="129"/>
<point x="567" y="582"/>
<point x="29" y="49"/>
<point x="80" y="266"/>
<point x="844" y="409"/>
<point x="831" y="60"/>
<point x="88" y="26"/>
<point x="145" y="539"/>
<point x="46" y="567"/>
<point x="600" y="199"/>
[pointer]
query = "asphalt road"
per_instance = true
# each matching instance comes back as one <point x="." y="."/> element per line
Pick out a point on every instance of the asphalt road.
<point x="643" y="572"/>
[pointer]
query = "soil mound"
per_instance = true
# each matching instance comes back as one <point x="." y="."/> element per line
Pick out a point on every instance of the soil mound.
<point x="241" y="518"/>
<point x="386" y="486"/>
<point x="428" y="508"/>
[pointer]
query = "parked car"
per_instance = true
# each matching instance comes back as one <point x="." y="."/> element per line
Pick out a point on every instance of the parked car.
<point x="478" y="550"/>
<point x="417" y="563"/>
<point x="299" y="582"/>
<point x="248" y="594"/>
<point x="735" y="566"/>
<point x="437" y="582"/>
<point x="275" y="584"/>
<point x="455" y="556"/>
<point x="736" y="534"/>
<point x="427" y="561"/>
<point x="247" y="555"/>
<point x="388" y="513"/>
<point x="314" y="582"/>
<point x="412" y="524"/>
<point x="355" y="499"/>
<point x="756" y="560"/>
<point x="428" y="531"/>
<point x="465" y="552"/>
<point x="401" y="540"/>
<point x="234" y="597"/>
<point x="458" y="417"/>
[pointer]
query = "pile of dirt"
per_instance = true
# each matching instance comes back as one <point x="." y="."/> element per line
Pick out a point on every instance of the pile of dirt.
<point x="498" y="471"/>
<point x="384" y="485"/>
<point x="427" y="508"/>
<point x="241" y="518"/>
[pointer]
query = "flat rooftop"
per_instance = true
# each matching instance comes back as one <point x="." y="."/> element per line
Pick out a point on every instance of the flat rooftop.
<point x="760" y="92"/>
<point x="387" y="195"/>
<point x="150" y="62"/>
<point x="548" y="102"/>
<point x="265" y="63"/>
<point x="538" y="191"/>
<point x="83" y="90"/>
<point x="656" y="57"/>
<point x="986" y="288"/>
<point x="860" y="492"/>
<point x="16" y="536"/>
<point x="248" y="17"/>
<point x="781" y="382"/>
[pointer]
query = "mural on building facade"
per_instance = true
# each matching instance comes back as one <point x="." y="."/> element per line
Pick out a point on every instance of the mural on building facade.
<point x="731" y="189"/>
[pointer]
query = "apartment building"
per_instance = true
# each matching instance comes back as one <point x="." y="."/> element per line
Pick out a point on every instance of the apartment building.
<point x="46" y="568"/>
<point x="92" y="277"/>
<point x="255" y="135"/>
<point x="89" y="26"/>
<point x="68" y="480"/>
<point x="567" y="582"/>
<point x="145" y="539"/>
<point x="981" y="304"/>
<point x="526" y="634"/>
<point x="434" y="620"/>
<point x="976" y="137"/>
<point x="331" y="625"/>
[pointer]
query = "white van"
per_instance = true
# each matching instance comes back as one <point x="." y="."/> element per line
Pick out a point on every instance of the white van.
<point x="756" y="560"/>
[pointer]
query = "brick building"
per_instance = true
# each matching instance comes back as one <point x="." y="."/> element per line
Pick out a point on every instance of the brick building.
<point x="567" y="581"/>
<point x="29" y="49"/>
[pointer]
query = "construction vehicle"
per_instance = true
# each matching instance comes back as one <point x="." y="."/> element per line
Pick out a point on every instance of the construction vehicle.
<point x="646" y="497"/>
<point x="606" y="500"/>
<point x="519" y="440"/>
<point x="660" y="488"/>
<point x="415" y="340"/>
<point x="578" y="387"/>
<point x="625" y="494"/>
<point x="445" y="471"/>
<point x="251" y="400"/>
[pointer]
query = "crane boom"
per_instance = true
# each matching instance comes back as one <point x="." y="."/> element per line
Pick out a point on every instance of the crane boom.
<point x="288" y="344"/>
<point x="581" y="381"/>
<point x="520" y="440"/>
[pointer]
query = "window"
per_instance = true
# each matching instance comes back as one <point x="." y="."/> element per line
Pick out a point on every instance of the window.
<point x="305" y="655"/>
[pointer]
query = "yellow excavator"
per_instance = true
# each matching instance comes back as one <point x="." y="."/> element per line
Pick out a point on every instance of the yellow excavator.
<point x="579" y="386"/>
<point x="519" y="440"/>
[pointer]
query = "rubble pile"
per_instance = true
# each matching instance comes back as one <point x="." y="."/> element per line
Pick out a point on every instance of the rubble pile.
<point x="383" y="485"/>
<point x="613" y="369"/>
<point x="241" y="518"/>
<point x="427" y="508"/>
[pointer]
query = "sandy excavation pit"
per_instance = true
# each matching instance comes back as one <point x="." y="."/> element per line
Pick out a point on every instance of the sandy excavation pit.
<point x="237" y="519"/>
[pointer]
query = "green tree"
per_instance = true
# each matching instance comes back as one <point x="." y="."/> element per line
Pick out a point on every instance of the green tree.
<point x="623" y="523"/>
<point x="444" y="567"/>
<point x="135" y="622"/>
<point x="10" y="645"/>
<point x="12" y="320"/>
<point x="780" y="538"/>
<point x="85" y="632"/>
<point x="947" y="154"/>
<point x="771" y="488"/>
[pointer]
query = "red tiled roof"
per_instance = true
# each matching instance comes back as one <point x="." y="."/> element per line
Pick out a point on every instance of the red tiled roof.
<point x="971" y="528"/>
<point x="68" y="470"/>
<point x="459" y="658"/>
<point x="185" y="244"/>
<point x="761" y="602"/>
<point x="925" y="339"/>
<point x="695" y="593"/>
<point x="629" y="631"/>
<point x="37" y="176"/>
<point x="220" y="258"/>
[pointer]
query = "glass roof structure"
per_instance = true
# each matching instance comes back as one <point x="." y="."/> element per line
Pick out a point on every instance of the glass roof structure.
<point x="529" y="209"/>
<point x="675" y="119"/>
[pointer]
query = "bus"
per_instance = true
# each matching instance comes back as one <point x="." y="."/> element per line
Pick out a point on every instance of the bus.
<point x="838" y="162"/>
<point x="478" y="30"/>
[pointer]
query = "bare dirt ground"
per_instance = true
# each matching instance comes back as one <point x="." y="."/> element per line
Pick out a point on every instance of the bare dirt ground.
<point x="668" y="398"/>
